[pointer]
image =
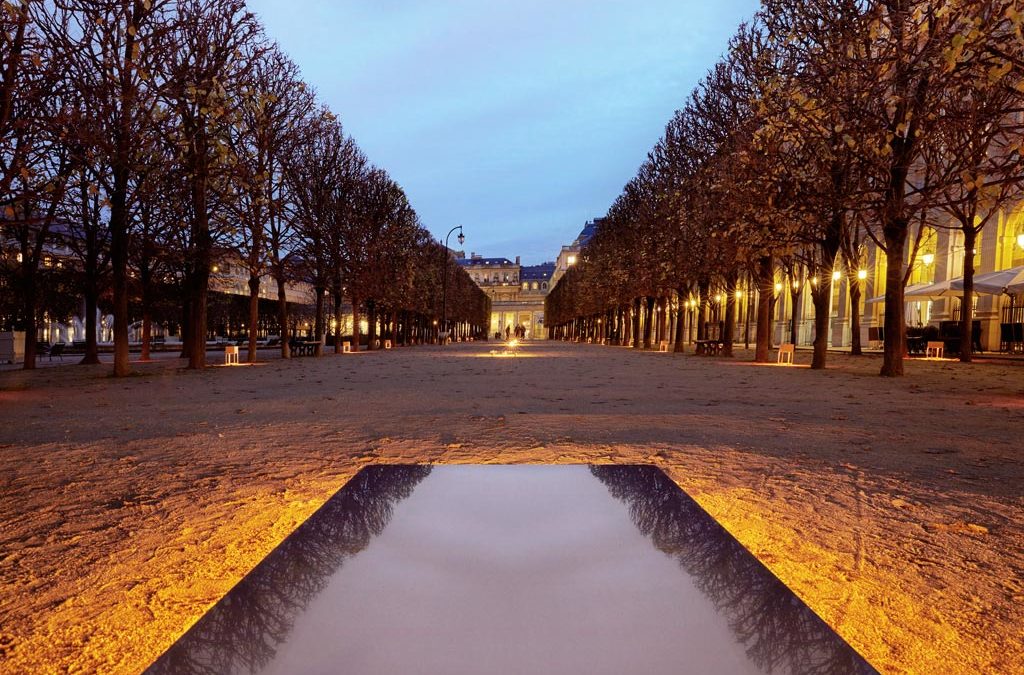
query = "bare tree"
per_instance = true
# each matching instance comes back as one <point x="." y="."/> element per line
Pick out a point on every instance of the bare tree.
<point x="205" y="71"/>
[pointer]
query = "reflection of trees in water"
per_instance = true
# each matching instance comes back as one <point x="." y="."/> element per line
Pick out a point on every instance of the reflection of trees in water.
<point x="778" y="630"/>
<point x="241" y="633"/>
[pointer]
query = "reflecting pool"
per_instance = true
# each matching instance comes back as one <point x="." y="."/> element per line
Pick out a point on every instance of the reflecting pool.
<point x="510" y="569"/>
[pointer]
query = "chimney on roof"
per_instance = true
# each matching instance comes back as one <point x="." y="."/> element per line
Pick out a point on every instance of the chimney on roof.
<point x="517" y="260"/>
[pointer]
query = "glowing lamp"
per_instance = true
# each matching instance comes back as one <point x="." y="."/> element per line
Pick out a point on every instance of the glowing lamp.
<point x="928" y="258"/>
<point x="862" y="274"/>
<point x="571" y="260"/>
<point x="1020" y="240"/>
<point x="836" y="275"/>
<point x="778" y="288"/>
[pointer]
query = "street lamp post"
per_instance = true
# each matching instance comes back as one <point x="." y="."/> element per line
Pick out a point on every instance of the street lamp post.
<point x="444" y="282"/>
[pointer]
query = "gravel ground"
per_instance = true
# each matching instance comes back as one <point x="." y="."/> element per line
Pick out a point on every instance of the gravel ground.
<point x="893" y="507"/>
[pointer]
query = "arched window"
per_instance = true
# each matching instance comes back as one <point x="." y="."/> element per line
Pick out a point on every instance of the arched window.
<point x="544" y="286"/>
<point x="535" y="286"/>
<point x="525" y="285"/>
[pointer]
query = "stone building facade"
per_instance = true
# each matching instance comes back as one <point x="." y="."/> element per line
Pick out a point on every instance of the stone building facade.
<point x="517" y="292"/>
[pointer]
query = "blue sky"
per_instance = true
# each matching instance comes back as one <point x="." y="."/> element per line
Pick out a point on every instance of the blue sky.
<point x="520" y="119"/>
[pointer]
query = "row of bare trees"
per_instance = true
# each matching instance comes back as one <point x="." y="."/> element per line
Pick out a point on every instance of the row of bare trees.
<point x="827" y="125"/>
<point x="152" y="138"/>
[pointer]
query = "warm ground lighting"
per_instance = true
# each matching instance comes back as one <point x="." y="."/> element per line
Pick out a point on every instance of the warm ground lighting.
<point x="132" y="506"/>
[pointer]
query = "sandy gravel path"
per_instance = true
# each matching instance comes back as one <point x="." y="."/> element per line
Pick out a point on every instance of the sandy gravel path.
<point x="893" y="507"/>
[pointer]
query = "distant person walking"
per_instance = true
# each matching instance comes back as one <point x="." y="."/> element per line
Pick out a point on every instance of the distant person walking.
<point x="508" y="329"/>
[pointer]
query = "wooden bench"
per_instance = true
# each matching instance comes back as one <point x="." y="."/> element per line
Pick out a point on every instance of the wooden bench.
<point x="302" y="347"/>
<point x="709" y="347"/>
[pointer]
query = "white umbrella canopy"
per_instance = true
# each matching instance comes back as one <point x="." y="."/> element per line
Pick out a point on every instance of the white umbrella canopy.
<point x="1009" y="281"/>
<point x="910" y="294"/>
<point x="940" y="290"/>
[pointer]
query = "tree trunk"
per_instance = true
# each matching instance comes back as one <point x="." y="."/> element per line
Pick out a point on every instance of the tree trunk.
<point x="895" y="328"/>
<point x="145" y="281"/>
<point x="820" y="297"/>
<point x="371" y="325"/>
<point x="339" y="324"/>
<point x="794" y="305"/>
<point x="186" y="322"/>
<point x="765" y="289"/>
<point x="254" y="314"/>
<point x="648" y="320"/>
<point x="355" y="324"/>
<point x="680" y="336"/>
<point x="318" y="321"/>
<point x="704" y="289"/>
<point x="967" y="302"/>
<point x="29" y="305"/>
<point x="729" y="327"/>
<point x="856" y="347"/>
<point x="92" y="348"/>
<point x="119" y="266"/>
<point x="282" y="313"/>
<point x="197" y="303"/>
<point x="147" y="335"/>
<point x="636" y="323"/>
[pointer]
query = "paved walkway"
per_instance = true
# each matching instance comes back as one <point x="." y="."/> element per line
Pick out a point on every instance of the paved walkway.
<point x="893" y="507"/>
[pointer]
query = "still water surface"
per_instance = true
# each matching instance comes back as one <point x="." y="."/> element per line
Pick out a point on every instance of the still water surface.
<point x="510" y="570"/>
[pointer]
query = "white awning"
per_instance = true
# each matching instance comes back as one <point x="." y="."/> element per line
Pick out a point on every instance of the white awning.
<point x="1009" y="281"/>
<point x="910" y="294"/>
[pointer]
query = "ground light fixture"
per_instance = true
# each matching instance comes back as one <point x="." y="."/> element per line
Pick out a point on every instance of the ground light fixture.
<point x="862" y="274"/>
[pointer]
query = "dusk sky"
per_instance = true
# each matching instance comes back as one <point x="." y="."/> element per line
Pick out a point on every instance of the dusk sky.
<point x="519" y="120"/>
